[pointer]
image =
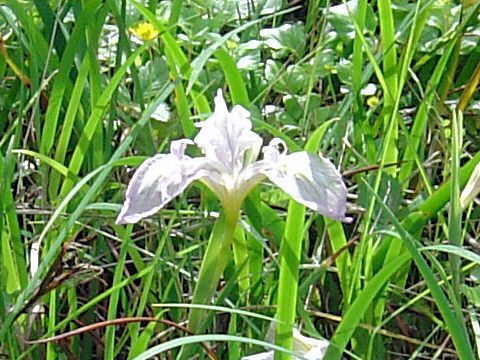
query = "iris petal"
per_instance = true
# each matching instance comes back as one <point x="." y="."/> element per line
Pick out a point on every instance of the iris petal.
<point x="311" y="180"/>
<point x="156" y="182"/>
<point x="226" y="136"/>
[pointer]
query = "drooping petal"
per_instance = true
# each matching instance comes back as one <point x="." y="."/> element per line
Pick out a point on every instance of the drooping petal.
<point x="226" y="136"/>
<point x="267" y="355"/>
<point x="472" y="189"/>
<point x="310" y="348"/>
<point x="157" y="181"/>
<point x="307" y="347"/>
<point x="311" y="180"/>
<point x="316" y="353"/>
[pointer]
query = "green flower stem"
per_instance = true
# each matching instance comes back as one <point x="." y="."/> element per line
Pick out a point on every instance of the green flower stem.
<point x="290" y="252"/>
<point x="214" y="262"/>
<point x="455" y="213"/>
<point x="241" y="259"/>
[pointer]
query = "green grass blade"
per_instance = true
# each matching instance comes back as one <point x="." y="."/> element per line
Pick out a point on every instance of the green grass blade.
<point x="420" y="121"/>
<point x="174" y="15"/>
<point x="455" y="215"/>
<point x="455" y="250"/>
<point x="199" y="63"/>
<point x="50" y="256"/>
<point x="290" y="253"/>
<point x="65" y="135"/>
<point x="95" y="119"/>
<point x="455" y="325"/>
<point x="233" y="77"/>
<point x="387" y="35"/>
<point x="58" y="167"/>
<point x="359" y="307"/>
<point x="213" y="264"/>
<point x="48" y="18"/>
<point x="195" y="339"/>
<point x="12" y="223"/>
<point x="114" y="297"/>
<point x="60" y="84"/>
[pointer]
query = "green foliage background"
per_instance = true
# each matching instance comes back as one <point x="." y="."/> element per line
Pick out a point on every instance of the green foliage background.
<point x="386" y="89"/>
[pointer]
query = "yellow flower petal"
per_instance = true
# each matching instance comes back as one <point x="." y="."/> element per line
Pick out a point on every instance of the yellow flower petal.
<point x="144" y="31"/>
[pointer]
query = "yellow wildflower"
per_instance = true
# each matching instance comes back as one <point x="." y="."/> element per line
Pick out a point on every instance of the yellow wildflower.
<point x="144" y="31"/>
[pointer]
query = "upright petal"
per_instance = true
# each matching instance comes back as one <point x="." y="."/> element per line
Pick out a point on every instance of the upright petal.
<point x="311" y="180"/>
<point x="226" y="136"/>
<point x="157" y="181"/>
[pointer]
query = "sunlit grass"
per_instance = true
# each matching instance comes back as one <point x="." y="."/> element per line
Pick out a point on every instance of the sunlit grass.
<point x="83" y="86"/>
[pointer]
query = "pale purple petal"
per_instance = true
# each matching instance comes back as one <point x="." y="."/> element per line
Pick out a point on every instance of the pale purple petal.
<point x="311" y="180"/>
<point x="316" y="353"/>
<point x="310" y="348"/>
<point x="268" y="355"/>
<point x="307" y="347"/>
<point x="213" y="174"/>
<point x="156" y="182"/>
<point x="177" y="147"/>
<point x="226" y="136"/>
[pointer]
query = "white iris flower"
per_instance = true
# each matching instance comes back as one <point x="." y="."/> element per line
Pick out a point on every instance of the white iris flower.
<point x="307" y="347"/>
<point x="230" y="169"/>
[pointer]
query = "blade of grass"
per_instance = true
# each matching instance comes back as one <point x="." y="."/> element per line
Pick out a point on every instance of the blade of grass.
<point x="233" y="77"/>
<point x="420" y="121"/>
<point x="359" y="307"/>
<point x="290" y="253"/>
<point x="455" y="213"/>
<point x="95" y="119"/>
<point x="200" y="61"/>
<point x="174" y="15"/>
<point x="394" y="245"/>
<point x="387" y="35"/>
<point x="58" y="167"/>
<point x="12" y="223"/>
<point x="140" y="343"/>
<point x="60" y="83"/>
<point x="454" y="324"/>
<point x="195" y="339"/>
<point x="64" y="139"/>
<point x="363" y="253"/>
<point x="92" y="35"/>
<point x="469" y="89"/>
<point x="357" y="72"/>
<point x="50" y="256"/>
<point x="48" y="18"/>
<point x="110" y="350"/>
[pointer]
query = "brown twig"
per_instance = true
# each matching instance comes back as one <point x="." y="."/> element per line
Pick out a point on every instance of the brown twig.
<point x="115" y="322"/>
